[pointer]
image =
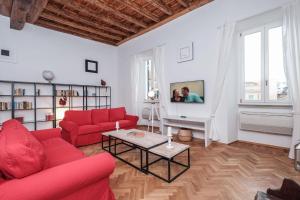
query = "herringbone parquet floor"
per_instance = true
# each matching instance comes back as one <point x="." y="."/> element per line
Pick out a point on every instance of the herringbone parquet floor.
<point x="227" y="172"/>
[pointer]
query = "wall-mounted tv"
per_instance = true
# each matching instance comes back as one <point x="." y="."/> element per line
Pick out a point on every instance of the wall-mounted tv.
<point x="187" y="92"/>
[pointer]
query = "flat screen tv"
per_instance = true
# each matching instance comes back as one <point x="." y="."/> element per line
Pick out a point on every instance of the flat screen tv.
<point x="187" y="92"/>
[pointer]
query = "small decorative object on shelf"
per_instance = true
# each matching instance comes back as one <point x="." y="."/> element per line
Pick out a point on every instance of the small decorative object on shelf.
<point x="63" y="101"/>
<point x="169" y="146"/>
<point x="48" y="75"/>
<point x="20" y="119"/>
<point x="49" y="117"/>
<point x="117" y="125"/>
<point x="103" y="83"/>
<point x="297" y="157"/>
<point x="38" y="92"/>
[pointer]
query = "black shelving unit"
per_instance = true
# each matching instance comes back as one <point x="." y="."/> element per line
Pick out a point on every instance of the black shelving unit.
<point x="100" y="98"/>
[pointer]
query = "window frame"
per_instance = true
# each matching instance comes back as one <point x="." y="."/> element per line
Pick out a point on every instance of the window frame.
<point x="263" y="29"/>
<point x="146" y="71"/>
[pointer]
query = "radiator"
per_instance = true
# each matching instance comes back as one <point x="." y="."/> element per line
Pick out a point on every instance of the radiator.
<point x="273" y="123"/>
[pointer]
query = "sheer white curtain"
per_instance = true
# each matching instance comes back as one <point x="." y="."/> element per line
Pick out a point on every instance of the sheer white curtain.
<point x="159" y="64"/>
<point x="137" y="83"/>
<point x="226" y="32"/>
<point x="291" y="46"/>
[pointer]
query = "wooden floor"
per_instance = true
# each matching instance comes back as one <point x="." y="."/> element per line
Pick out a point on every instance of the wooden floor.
<point x="235" y="171"/>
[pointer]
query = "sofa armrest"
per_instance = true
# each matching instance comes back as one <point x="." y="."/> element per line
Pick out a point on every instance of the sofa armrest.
<point x="68" y="125"/>
<point x="133" y="118"/>
<point x="47" y="133"/>
<point x="59" y="181"/>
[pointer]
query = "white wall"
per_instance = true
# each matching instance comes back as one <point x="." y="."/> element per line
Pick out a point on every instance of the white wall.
<point x="39" y="49"/>
<point x="199" y="26"/>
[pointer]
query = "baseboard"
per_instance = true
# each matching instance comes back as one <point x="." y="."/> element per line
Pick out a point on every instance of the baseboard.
<point x="260" y="144"/>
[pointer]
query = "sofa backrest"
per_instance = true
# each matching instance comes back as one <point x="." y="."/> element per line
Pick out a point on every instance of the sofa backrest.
<point x="20" y="147"/>
<point x="100" y="115"/>
<point x="116" y="114"/>
<point x="79" y="117"/>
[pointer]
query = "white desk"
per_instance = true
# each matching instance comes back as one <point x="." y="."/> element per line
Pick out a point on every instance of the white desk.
<point x="199" y="124"/>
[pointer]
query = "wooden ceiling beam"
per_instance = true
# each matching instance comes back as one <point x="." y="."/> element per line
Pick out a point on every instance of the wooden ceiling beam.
<point x="116" y="12"/>
<point x="183" y="3"/>
<point x="5" y="7"/>
<point x="161" y="6"/>
<point x="19" y="11"/>
<point x="79" y="18"/>
<point x="62" y="28"/>
<point x="36" y="10"/>
<point x="89" y="12"/>
<point x="137" y="8"/>
<point x="62" y="20"/>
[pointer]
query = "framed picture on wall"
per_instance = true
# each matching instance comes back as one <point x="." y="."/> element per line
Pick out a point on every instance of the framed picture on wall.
<point x="185" y="52"/>
<point x="91" y="66"/>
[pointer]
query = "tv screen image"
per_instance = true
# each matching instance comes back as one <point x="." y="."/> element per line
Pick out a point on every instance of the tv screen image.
<point x="187" y="92"/>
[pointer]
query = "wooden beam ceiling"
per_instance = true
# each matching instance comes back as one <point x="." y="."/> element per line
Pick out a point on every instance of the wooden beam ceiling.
<point x="108" y="21"/>
<point x="19" y="11"/>
<point x="183" y="3"/>
<point x="161" y="6"/>
<point x="35" y="10"/>
<point x="142" y="11"/>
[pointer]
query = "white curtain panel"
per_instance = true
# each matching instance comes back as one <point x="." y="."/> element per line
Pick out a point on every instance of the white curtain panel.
<point x="226" y="33"/>
<point x="291" y="46"/>
<point x="159" y="64"/>
<point x="136" y="70"/>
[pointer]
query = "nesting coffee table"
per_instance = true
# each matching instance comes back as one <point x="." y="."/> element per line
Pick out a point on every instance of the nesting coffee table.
<point x="146" y="143"/>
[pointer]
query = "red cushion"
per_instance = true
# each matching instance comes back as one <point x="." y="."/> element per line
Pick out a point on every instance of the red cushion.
<point x="100" y="115"/>
<point x="12" y="123"/>
<point x="116" y="114"/>
<point x="86" y="129"/>
<point x="21" y="154"/>
<point x="125" y="123"/>
<point x="107" y="126"/>
<point x="59" y="151"/>
<point x="79" y="117"/>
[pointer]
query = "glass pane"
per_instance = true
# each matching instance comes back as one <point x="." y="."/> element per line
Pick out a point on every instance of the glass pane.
<point x="252" y="59"/>
<point x="278" y="90"/>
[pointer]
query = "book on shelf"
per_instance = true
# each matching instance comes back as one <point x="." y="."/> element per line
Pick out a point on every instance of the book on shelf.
<point x="19" y="92"/>
<point x="4" y="105"/>
<point x="26" y="105"/>
<point x="68" y="93"/>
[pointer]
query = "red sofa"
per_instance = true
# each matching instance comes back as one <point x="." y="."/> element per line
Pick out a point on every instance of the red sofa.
<point x="42" y="166"/>
<point x="85" y="127"/>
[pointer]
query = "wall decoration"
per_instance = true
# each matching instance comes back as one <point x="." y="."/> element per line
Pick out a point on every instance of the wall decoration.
<point x="91" y="66"/>
<point x="185" y="52"/>
<point x="48" y="75"/>
<point x="7" y="55"/>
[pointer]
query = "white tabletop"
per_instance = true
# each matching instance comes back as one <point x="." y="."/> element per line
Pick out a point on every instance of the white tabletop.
<point x="147" y="141"/>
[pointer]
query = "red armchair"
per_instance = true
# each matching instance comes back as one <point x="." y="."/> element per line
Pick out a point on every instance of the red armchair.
<point x="65" y="176"/>
<point x="85" y="127"/>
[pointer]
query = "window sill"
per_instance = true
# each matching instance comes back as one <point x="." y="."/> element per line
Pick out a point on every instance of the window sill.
<point x="265" y="105"/>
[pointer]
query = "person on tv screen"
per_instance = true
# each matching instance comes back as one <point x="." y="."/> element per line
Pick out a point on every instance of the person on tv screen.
<point x="176" y="96"/>
<point x="190" y="97"/>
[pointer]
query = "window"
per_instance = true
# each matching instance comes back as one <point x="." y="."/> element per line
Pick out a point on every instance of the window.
<point x="150" y="80"/>
<point x="263" y="75"/>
